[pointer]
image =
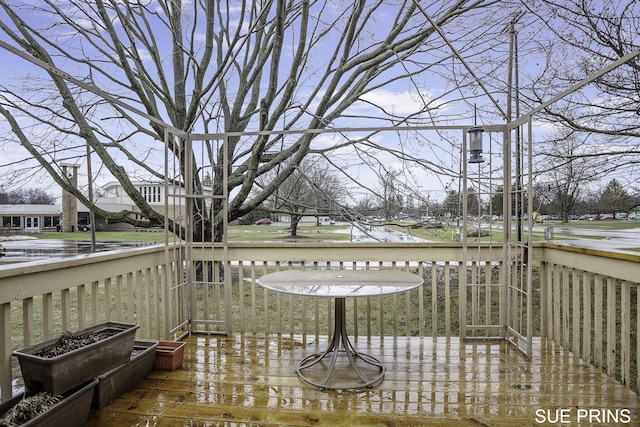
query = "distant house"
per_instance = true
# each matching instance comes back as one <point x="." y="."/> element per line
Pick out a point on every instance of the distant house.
<point x="153" y="192"/>
<point x="112" y="198"/>
<point x="159" y="196"/>
<point x="30" y="218"/>
<point x="304" y="220"/>
<point x="39" y="218"/>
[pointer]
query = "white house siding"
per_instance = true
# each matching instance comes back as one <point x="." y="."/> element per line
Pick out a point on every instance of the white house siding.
<point x="31" y="218"/>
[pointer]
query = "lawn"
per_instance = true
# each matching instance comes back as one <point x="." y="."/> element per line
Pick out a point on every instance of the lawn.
<point x="257" y="233"/>
<point x="450" y="234"/>
<point x="106" y="236"/>
<point x="252" y="233"/>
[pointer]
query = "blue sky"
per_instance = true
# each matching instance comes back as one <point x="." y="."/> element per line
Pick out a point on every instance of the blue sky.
<point x="449" y="88"/>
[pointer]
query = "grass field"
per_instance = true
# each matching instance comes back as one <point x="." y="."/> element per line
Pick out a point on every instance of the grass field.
<point x="449" y="233"/>
<point x="258" y="233"/>
<point x="240" y="233"/>
<point x="105" y="236"/>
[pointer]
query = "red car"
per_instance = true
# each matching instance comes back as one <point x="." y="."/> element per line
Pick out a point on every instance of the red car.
<point x="263" y="221"/>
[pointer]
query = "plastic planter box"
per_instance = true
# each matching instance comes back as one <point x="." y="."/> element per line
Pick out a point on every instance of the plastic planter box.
<point x="118" y="380"/>
<point x="169" y="355"/>
<point x="69" y="370"/>
<point x="71" y="411"/>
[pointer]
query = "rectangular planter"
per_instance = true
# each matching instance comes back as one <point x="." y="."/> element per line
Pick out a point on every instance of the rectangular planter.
<point x="169" y="355"/>
<point x="118" y="380"/>
<point x="71" y="411"/>
<point x="62" y="373"/>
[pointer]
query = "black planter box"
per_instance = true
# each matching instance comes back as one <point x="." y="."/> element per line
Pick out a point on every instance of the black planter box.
<point x="118" y="380"/>
<point x="71" y="411"/>
<point x="69" y="370"/>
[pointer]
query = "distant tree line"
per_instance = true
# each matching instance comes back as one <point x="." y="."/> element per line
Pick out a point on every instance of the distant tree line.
<point x="611" y="199"/>
<point x="608" y="199"/>
<point x="26" y="196"/>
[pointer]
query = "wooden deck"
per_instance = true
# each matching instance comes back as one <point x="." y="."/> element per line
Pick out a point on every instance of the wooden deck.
<point x="246" y="380"/>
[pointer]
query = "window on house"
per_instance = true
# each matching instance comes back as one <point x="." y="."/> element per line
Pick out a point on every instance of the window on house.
<point x="51" y="221"/>
<point x="151" y="193"/>
<point x="10" y="222"/>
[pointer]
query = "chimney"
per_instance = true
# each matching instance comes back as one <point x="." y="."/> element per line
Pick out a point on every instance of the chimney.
<point x="69" y="218"/>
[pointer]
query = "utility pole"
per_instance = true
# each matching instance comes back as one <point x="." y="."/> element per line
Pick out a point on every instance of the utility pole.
<point x="92" y="213"/>
<point x="513" y="84"/>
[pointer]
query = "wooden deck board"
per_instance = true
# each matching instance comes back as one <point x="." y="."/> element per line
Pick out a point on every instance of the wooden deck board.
<point x="249" y="380"/>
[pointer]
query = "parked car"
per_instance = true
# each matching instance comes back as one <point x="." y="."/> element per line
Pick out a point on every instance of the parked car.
<point x="264" y="221"/>
<point x="84" y="227"/>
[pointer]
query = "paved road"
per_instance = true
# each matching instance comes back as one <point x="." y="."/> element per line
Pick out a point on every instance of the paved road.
<point x="615" y="240"/>
<point x="375" y="233"/>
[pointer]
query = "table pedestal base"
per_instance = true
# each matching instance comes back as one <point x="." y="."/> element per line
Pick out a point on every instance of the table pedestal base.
<point x="340" y="344"/>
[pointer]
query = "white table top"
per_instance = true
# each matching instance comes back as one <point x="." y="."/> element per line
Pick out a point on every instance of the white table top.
<point x="340" y="283"/>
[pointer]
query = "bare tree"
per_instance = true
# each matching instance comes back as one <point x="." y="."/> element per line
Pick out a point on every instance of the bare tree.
<point x="366" y="206"/>
<point x="209" y="67"/>
<point x="584" y="36"/>
<point x="391" y="196"/>
<point x="26" y="196"/>
<point x="312" y="189"/>
<point x="570" y="167"/>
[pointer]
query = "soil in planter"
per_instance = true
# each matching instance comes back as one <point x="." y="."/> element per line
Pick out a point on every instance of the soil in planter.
<point x="69" y="342"/>
<point x="28" y="408"/>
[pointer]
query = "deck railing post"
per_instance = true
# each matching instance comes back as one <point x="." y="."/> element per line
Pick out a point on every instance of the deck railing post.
<point x="5" y="356"/>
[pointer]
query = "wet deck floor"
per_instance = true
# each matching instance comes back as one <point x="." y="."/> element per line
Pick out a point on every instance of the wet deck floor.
<point x="250" y="381"/>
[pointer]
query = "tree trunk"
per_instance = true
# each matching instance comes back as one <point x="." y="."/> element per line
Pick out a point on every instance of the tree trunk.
<point x="295" y="219"/>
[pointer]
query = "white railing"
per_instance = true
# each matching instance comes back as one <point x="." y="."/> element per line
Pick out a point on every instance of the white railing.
<point x="429" y="311"/>
<point x="590" y="305"/>
<point x="42" y="299"/>
<point x="149" y="286"/>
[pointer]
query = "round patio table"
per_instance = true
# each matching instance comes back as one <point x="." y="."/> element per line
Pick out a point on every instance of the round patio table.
<point x="340" y="284"/>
